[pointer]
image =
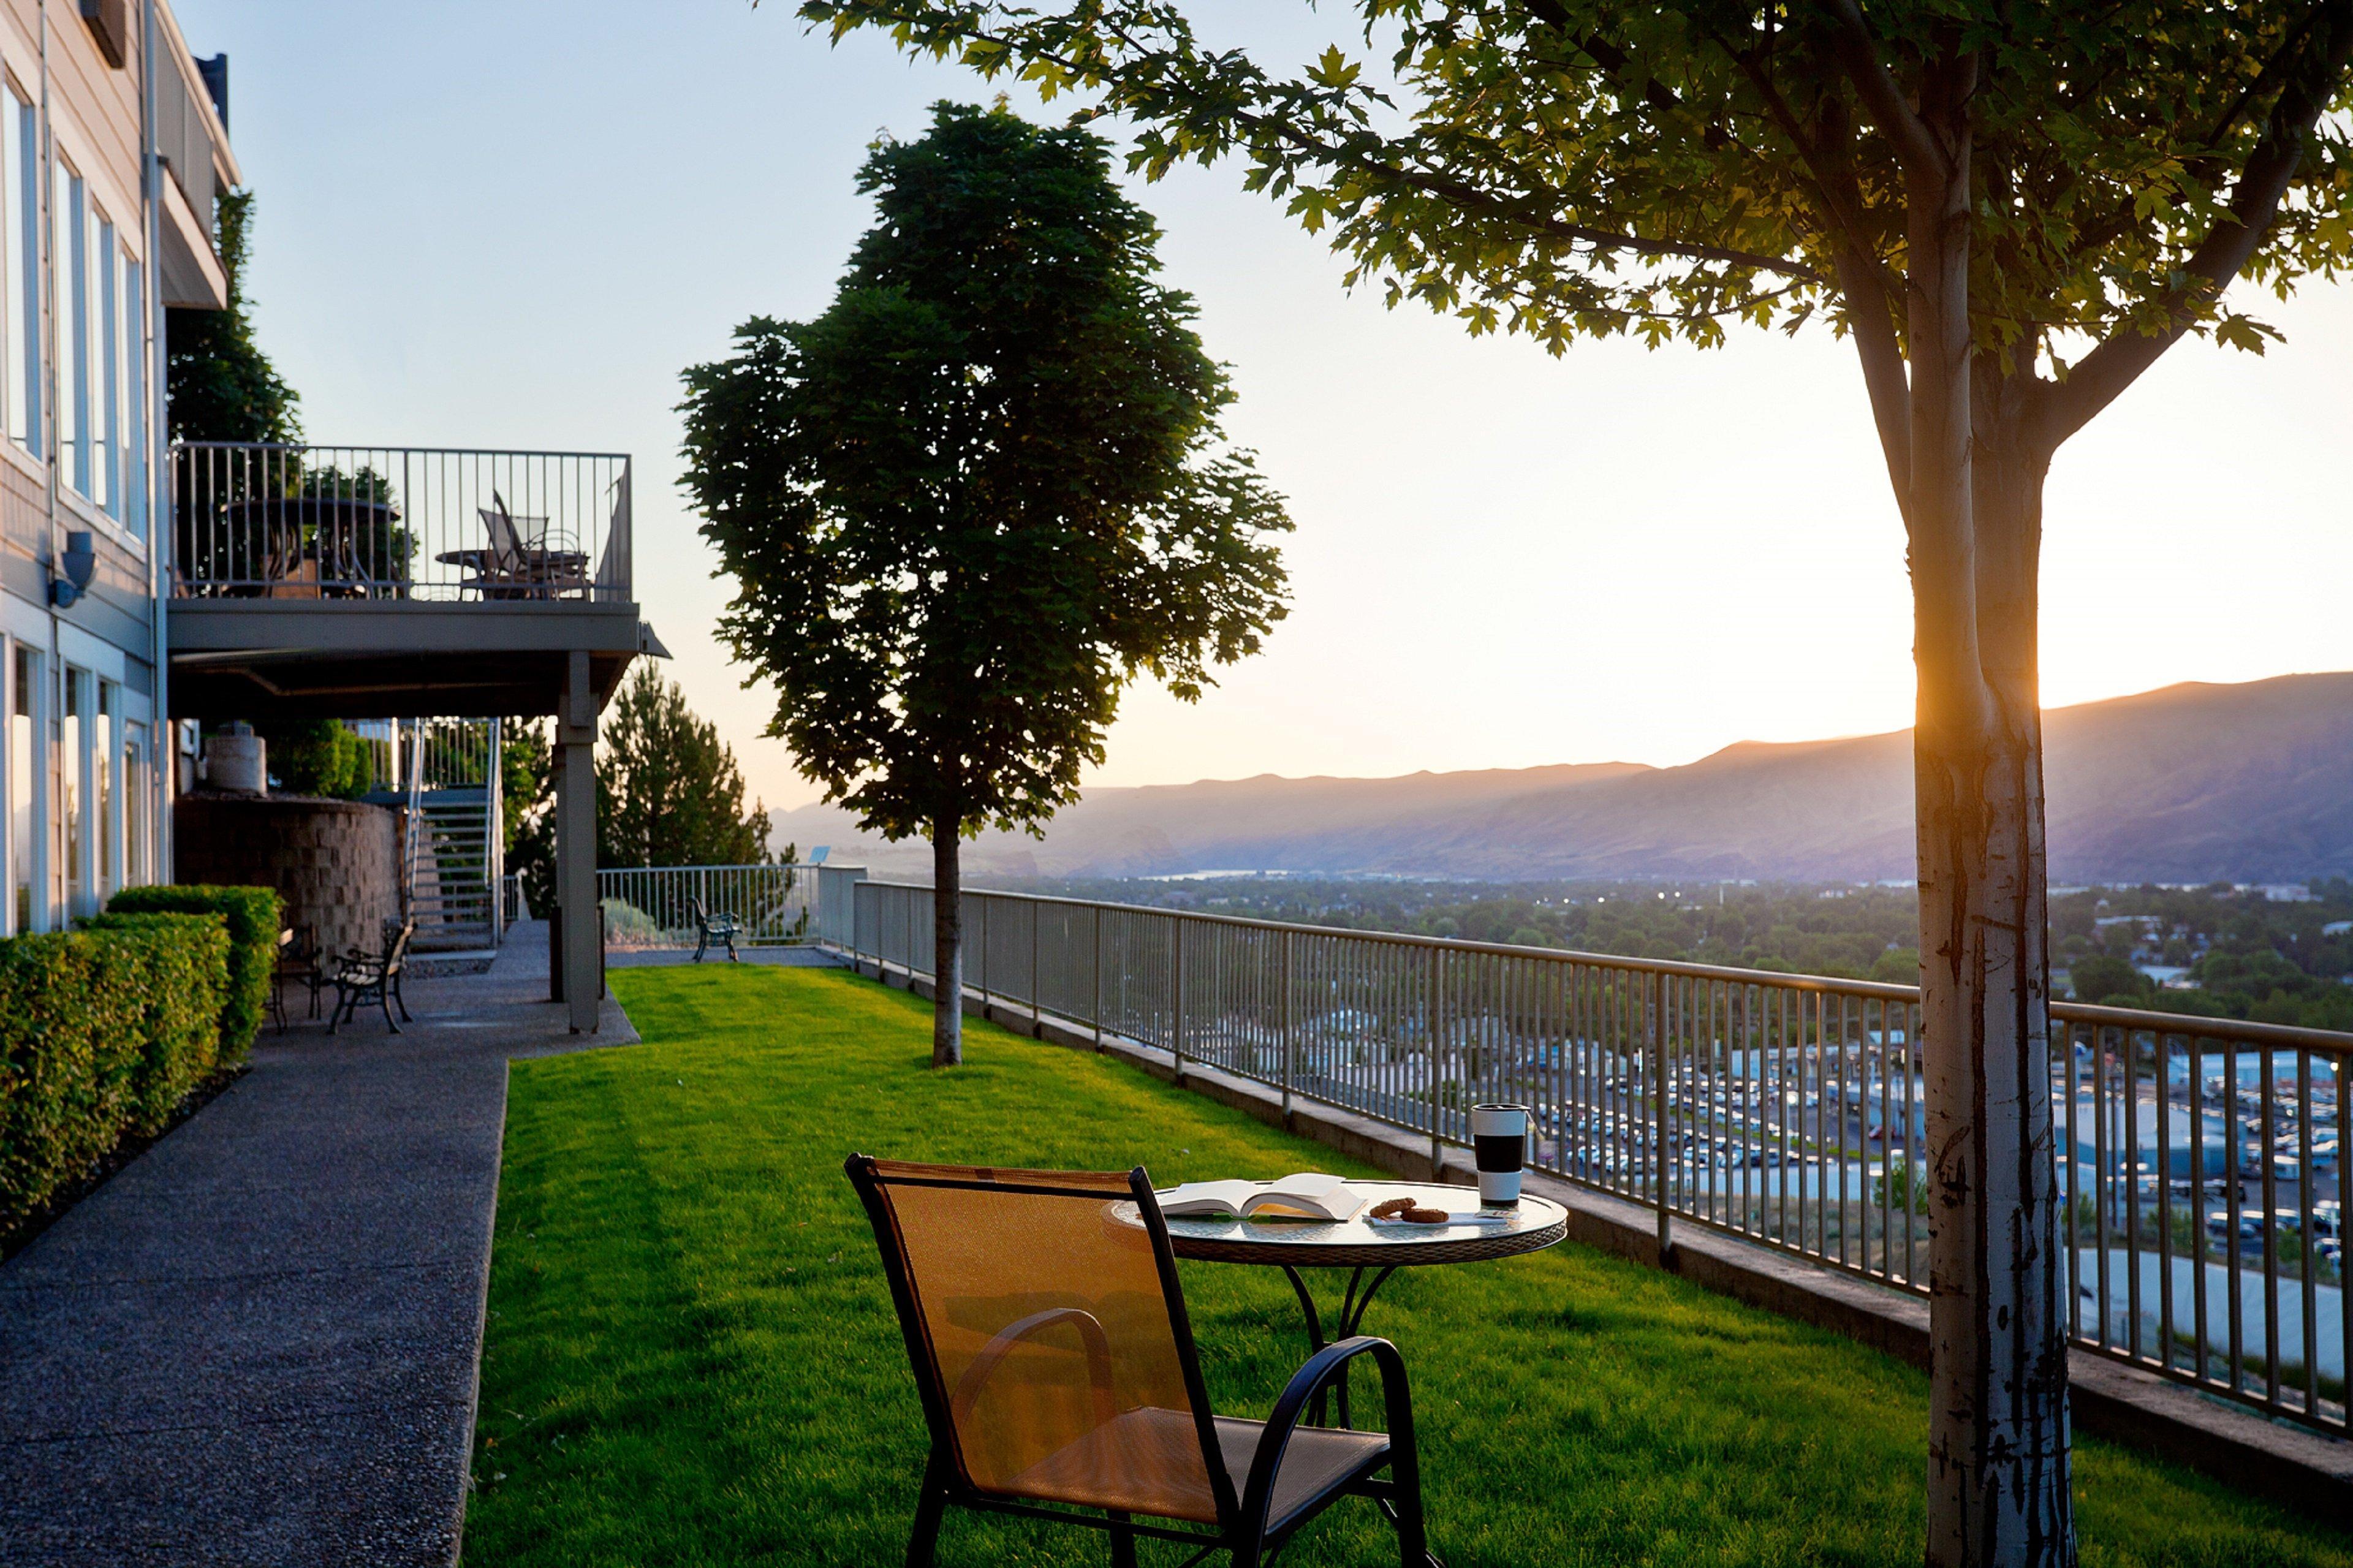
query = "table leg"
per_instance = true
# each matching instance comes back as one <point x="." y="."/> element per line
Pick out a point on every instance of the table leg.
<point x="1353" y="1302"/>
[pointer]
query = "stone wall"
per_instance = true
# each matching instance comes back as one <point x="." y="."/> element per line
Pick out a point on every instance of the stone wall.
<point x="335" y="862"/>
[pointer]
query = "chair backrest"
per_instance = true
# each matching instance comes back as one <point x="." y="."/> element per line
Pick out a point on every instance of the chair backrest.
<point x="1048" y="1334"/>
<point x="506" y="547"/>
<point x="395" y="945"/>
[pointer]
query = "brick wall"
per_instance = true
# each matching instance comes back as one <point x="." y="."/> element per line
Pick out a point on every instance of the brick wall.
<point x="335" y="862"/>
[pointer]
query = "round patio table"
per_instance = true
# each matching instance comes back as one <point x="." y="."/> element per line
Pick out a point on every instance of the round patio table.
<point x="1363" y="1246"/>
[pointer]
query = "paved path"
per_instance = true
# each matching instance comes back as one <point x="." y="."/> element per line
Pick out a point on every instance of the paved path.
<point x="258" y="1343"/>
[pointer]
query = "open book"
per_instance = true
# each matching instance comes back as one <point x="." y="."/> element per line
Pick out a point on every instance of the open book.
<point x="1305" y="1196"/>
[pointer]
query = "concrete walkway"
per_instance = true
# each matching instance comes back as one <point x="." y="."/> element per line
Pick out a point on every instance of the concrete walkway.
<point x="258" y="1343"/>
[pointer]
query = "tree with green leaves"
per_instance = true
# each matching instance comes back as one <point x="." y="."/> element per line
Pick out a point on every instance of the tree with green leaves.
<point x="978" y="495"/>
<point x="668" y="790"/>
<point x="2011" y="208"/>
<point x="219" y="386"/>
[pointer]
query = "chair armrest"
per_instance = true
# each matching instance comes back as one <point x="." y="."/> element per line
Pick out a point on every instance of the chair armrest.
<point x="985" y="1364"/>
<point x="1320" y="1369"/>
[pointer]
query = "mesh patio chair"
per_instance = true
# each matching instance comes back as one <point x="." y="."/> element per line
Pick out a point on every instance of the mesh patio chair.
<point x="1055" y="1364"/>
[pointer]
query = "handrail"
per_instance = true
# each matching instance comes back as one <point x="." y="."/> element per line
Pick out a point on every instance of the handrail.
<point x="2196" y="1158"/>
<point x="2283" y="1035"/>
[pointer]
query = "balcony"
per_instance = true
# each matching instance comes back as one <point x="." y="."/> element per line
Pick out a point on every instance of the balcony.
<point x="347" y="582"/>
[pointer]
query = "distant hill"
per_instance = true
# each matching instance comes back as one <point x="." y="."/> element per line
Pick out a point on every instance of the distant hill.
<point x="2192" y="782"/>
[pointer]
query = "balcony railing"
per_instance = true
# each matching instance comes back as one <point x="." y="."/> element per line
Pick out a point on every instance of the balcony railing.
<point x="653" y="907"/>
<point x="2202" y="1182"/>
<point x="399" y="523"/>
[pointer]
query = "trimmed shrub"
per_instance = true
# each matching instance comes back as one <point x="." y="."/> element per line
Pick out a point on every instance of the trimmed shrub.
<point x="253" y="916"/>
<point x="102" y="1032"/>
<point x="181" y="997"/>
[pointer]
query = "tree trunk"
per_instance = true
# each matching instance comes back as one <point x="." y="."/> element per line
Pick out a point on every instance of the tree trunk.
<point x="1999" y="1485"/>
<point x="947" y="945"/>
<point x="1997" y="1436"/>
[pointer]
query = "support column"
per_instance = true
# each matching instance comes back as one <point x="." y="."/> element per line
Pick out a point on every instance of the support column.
<point x="575" y="844"/>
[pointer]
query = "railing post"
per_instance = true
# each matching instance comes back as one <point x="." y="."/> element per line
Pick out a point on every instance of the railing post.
<point x="1176" y="999"/>
<point x="1432" y="1002"/>
<point x="1037" y="978"/>
<point x="1290" y="1047"/>
<point x="1658" y="989"/>
<point x="1096" y="1012"/>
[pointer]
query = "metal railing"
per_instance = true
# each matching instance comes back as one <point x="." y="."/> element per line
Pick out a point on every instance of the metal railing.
<point x="1789" y="1109"/>
<point x="653" y="907"/>
<point x="258" y="521"/>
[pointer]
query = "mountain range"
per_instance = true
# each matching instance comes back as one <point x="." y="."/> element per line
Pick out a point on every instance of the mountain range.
<point x="2188" y="783"/>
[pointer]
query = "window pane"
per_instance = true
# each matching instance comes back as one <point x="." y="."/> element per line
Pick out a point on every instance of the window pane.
<point x="66" y="197"/>
<point x="134" y="337"/>
<point x="23" y="747"/>
<point x="107" y="473"/>
<point x="72" y="737"/>
<point x="135" y="785"/>
<point x="24" y="348"/>
<point x="102" y="792"/>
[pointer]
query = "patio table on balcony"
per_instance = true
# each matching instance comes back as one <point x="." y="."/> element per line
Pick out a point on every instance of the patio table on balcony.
<point x="313" y="547"/>
<point x="1362" y="1246"/>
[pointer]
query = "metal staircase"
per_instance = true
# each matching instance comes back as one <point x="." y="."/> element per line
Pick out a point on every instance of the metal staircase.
<point x="452" y="839"/>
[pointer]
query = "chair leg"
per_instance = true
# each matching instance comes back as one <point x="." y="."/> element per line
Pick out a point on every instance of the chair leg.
<point x="702" y="941"/>
<point x="337" y="1012"/>
<point x="930" y="1504"/>
<point x="384" y="1001"/>
<point x="1413" y="1540"/>
<point x="1122" y="1542"/>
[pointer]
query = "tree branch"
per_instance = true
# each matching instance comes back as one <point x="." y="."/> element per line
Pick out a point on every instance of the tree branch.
<point x="2104" y="230"/>
<point x="2105" y="372"/>
<point x="1337" y="154"/>
<point x="1858" y="57"/>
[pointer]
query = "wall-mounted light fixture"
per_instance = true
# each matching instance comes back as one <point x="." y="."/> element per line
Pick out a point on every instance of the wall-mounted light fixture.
<point x="79" y="562"/>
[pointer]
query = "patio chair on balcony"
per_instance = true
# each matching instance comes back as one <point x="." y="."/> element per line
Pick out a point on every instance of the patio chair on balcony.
<point x="710" y="928"/>
<point x="517" y="561"/>
<point x="364" y="977"/>
<point x="1055" y="1363"/>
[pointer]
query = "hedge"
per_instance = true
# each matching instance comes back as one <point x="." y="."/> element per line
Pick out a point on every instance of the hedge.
<point x="253" y="915"/>
<point x="102" y="1032"/>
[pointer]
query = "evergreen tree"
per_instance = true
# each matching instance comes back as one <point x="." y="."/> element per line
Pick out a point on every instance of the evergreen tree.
<point x="668" y="790"/>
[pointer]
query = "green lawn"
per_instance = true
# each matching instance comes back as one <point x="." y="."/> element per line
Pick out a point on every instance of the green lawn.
<point x="691" y="1357"/>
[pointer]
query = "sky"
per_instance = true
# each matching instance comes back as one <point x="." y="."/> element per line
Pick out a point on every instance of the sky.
<point x="513" y="223"/>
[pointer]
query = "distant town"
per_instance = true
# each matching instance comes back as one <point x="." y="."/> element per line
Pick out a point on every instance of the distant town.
<point x="2273" y="953"/>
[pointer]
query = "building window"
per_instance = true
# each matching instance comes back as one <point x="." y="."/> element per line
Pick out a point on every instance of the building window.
<point x="22" y="748"/>
<point x="69" y="202"/>
<point x="107" y="472"/>
<point x="104" y="793"/>
<point x="73" y="797"/>
<point x="20" y="289"/>
<point x="134" y="380"/>
<point x="138" y="851"/>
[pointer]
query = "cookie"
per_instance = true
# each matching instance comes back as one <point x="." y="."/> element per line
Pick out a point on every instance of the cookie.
<point x="1424" y="1217"/>
<point x="1391" y="1207"/>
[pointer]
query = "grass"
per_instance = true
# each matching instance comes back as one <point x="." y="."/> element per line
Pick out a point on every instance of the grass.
<point x="692" y="1356"/>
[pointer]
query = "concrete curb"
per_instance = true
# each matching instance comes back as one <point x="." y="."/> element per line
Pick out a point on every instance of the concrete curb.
<point x="2289" y="1465"/>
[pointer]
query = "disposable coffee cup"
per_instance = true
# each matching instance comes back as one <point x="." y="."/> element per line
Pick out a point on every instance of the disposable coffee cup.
<point x="1499" y="1139"/>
